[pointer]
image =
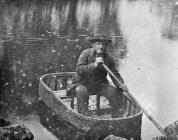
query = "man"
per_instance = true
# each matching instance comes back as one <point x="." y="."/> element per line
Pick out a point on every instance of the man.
<point x="91" y="77"/>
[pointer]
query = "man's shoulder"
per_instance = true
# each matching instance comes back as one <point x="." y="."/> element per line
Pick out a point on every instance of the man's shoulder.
<point x="88" y="51"/>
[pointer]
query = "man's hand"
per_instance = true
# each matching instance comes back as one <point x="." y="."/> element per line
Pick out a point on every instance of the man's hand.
<point x="98" y="61"/>
<point x="123" y="88"/>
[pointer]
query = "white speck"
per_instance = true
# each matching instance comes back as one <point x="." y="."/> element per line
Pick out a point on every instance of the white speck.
<point x="29" y="103"/>
<point x="5" y="84"/>
<point x="82" y="35"/>
<point x="42" y="35"/>
<point x="78" y="46"/>
<point x="70" y="82"/>
<point x="141" y="41"/>
<point x="30" y="84"/>
<point x="53" y="51"/>
<point x="65" y="46"/>
<point x="122" y="61"/>
<point x="24" y="74"/>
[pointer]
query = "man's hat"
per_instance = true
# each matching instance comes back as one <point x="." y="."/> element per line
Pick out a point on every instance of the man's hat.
<point x="100" y="38"/>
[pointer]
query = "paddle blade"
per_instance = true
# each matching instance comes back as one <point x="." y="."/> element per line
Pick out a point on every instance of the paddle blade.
<point x="171" y="131"/>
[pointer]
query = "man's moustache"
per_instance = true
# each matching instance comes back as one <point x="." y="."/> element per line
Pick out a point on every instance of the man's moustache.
<point x="99" y="53"/>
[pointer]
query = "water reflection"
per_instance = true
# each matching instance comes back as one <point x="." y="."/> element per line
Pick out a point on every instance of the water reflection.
<point x="148" y="69"/>
<point x="39" y="37"/>
<point x="43" y="34"/>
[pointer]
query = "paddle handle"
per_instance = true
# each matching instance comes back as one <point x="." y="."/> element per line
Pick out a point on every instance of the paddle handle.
<point x="133" y="99"/>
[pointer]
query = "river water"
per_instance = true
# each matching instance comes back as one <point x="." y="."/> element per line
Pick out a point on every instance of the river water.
<point x="39" y="37"/>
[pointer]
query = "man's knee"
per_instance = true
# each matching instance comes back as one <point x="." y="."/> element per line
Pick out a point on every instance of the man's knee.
<point x="110" y="93"/>
<point x="81" y="90"/>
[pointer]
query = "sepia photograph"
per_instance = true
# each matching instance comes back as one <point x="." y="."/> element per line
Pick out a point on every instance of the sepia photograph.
<point x="88" y="69"/>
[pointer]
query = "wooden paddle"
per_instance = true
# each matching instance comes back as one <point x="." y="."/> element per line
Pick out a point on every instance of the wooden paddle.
<point x="133" y="99"/>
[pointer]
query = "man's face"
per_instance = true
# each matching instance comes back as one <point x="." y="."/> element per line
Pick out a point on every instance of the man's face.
<point x="99" y="46"/>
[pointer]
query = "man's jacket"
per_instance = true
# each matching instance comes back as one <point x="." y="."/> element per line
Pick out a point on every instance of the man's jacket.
<point x="87" y="73"/>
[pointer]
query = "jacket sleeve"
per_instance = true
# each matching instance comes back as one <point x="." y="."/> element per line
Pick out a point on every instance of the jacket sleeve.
<point x="82" y="66"/>
<point x="115" y="71"/>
